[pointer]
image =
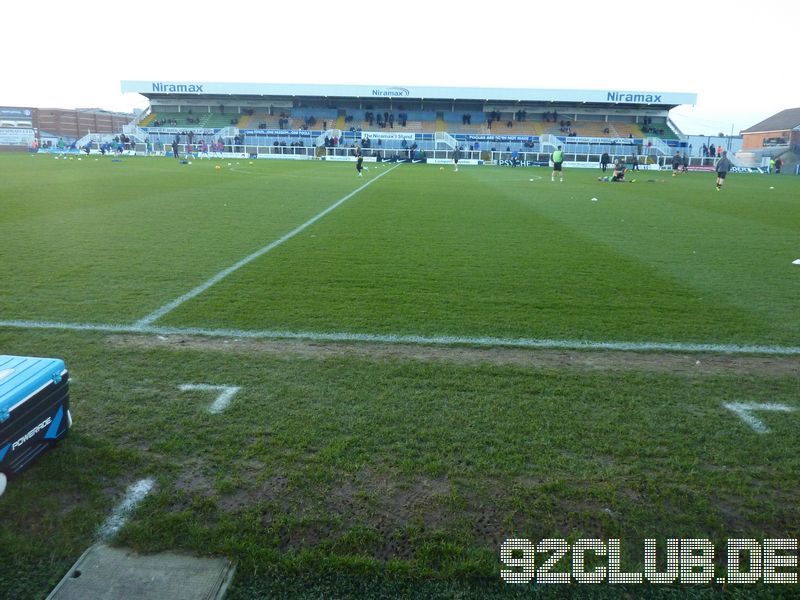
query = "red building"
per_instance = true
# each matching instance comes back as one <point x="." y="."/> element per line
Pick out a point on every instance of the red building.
<point x="779" y="132"/>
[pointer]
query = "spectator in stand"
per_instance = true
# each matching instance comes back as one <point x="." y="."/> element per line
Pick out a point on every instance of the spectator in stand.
<point x="719" y="150"/>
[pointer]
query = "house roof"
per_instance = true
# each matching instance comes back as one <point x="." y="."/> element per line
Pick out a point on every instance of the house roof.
<point x="782" y="121"/>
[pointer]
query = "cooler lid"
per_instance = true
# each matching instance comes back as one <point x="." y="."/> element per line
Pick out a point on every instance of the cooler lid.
<point x="21" y="376"/>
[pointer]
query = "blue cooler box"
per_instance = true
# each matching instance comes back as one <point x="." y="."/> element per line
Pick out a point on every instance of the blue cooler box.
<point x="34" y="410"/>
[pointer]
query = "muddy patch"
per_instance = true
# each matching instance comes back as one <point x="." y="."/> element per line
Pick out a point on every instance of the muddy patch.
<point x="676" y="363"/>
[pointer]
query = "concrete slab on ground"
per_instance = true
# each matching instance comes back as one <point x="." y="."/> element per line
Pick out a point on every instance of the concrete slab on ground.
<point x="106" y="573"/>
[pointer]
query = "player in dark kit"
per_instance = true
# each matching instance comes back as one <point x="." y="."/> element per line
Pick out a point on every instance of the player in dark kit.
<point x="723" y="166"/>
<point x="359" y="163"/>
<point x="677" y="161"/>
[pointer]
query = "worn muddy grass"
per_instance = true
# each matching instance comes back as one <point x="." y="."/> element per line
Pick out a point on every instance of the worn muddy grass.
<point x="391" y="466"/>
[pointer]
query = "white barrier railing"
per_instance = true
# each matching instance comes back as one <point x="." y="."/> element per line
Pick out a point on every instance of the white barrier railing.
<point x="94" y="137"/>
<point x="442" y="137"/>
<point x="227" y="132"/>
<point x="135" y="132"/>
<point x="658" y="145"/>
<point x="440" y="157"/>
<point x="548" y="141"/>
<point x="143" y="114"/>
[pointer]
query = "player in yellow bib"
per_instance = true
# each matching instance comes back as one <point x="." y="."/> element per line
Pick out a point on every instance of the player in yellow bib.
<point x="557" y="158"/>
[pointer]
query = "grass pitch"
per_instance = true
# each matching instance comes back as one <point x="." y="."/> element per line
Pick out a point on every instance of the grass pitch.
<point x="398" y="469"/>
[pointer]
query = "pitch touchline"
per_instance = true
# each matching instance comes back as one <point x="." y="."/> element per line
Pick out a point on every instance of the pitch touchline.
<point x="421" y="340"/>
<point x="170" y="306"/>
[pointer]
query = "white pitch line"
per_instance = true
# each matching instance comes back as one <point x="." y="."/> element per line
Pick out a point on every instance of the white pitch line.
<point x="135" y="494"/>
<point x="227" y="392"/>
<point x="420" y="340"/>
<point x="170" y="306"/>
<point x="744" y="410"/>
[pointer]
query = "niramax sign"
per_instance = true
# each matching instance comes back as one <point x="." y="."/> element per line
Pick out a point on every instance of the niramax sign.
<point x="155" y="88"/>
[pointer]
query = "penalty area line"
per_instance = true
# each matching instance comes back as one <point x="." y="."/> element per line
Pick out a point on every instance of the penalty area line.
<point x="170" y="306"/>
<point x="416" y="340"/>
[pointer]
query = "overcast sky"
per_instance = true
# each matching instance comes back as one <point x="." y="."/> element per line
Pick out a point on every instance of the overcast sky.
<point x="741" y="62"/>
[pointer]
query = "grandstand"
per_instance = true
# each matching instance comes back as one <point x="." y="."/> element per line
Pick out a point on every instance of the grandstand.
<point x="407" y="123"/>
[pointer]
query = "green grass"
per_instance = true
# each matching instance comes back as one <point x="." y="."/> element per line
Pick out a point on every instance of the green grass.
<point x="484" y="252"/>
<point x="337" y="473"/>
<point x="109" y="242"/>
<point x="407" y="468"/>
